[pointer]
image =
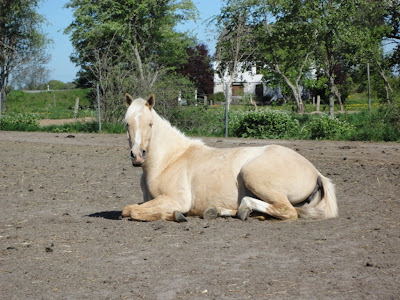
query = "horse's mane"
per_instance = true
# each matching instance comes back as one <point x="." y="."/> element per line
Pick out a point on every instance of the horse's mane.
<point x="167" y="123"/>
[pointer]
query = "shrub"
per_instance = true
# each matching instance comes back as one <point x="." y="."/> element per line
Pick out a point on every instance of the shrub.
<point x="265" y="124"/>
<point x="20" y="122"/>
<point x="323" y="127"/>
<point x="199" y="121"/>
<point x="380" y="125"/>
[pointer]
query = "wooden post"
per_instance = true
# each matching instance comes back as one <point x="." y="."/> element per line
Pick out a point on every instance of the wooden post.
<point x="76" y="107"/>
<point x="318" y="101"/>
<point x="369" y="88"/>
<point x="226" y="110"/>
<point x="98" y="106"/>
<point x="1" y="103"/>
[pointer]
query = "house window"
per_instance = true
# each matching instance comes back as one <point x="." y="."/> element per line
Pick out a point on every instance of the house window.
<point x="237" y="90"/>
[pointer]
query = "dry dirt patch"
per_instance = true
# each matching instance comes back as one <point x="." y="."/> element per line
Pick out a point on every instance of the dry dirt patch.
<point x="61" y="236"/>
<point x="47" y="122"/>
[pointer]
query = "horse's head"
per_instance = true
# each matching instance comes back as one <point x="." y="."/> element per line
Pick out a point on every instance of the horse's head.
<point x="139" y="122"/>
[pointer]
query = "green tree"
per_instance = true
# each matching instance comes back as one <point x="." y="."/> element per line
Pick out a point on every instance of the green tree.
<point x="143" y="30"/>
<point x="284" y="44"/>
<point x="236" y="43"/>
<point x="21" y="39"/>
<point x="340" y="36"/>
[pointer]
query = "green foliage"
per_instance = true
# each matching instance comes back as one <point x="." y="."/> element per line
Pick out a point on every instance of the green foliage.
<point x="264" y="124"/>
<point x="199" y="121"/>
<point x="21" y="39"/>
<point x="324" y="127"/>
<point x="20" y="122"/>
<point x="379" y="125"/>
<point x="218" y="97"/>
<point x="144" y="30"/>
<point x="50" y="105"/>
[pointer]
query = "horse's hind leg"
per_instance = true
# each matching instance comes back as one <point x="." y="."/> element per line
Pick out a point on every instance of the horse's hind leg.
<point x="214" y="212"/>
<point x="277" y="210"/>
<point x="274" y="202"/>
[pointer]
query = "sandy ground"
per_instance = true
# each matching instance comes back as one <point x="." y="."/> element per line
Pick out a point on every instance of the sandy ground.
<point x="47" y="122"/>
<point x="61" y="235"/>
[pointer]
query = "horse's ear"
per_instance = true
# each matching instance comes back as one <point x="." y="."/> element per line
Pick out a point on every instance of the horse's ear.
<point x="128" y="100"/>
<point x="151" y="100"/>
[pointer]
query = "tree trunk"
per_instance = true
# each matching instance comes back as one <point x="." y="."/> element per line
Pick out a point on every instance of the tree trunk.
<point x="388" y="88"/>
<point x="295" y="90"/>
<point x="337" y="93"/>
<point x="331" y="87"/>
<point x="252" y="102"/>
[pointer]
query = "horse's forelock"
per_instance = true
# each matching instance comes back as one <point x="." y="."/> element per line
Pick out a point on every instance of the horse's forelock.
<point x="136" y="107"/>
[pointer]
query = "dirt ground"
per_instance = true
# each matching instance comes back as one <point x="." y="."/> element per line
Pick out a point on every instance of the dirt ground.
<point x="61" y="235"/>
<point x="47" y="122"/>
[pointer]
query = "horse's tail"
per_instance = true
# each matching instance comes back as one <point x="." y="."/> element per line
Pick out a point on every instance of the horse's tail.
<point x="322" y="202"/>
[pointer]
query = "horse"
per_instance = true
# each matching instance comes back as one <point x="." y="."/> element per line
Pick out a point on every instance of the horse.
<point x="184" y="177"/>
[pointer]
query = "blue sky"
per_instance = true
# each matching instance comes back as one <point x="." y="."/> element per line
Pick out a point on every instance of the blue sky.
<point x="59" y="18"/>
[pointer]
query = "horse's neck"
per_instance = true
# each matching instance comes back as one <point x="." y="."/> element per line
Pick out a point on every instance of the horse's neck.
<point x="165" y="146"/>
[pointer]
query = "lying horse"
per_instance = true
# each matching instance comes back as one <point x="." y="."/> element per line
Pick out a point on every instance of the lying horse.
<point x="183" y="176"/>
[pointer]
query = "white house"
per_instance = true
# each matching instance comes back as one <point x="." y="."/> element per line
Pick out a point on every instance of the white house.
<point x="247" y="82"/>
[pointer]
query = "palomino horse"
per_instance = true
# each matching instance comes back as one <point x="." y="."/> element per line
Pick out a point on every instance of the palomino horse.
<point x="182" y="176"/>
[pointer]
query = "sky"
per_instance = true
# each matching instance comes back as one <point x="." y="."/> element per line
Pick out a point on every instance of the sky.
<point x="58" y="18"/>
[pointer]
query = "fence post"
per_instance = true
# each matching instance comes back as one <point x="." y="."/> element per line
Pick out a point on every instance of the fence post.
<point x="369" y="88"/>
<point x="76" y="107"/>
<point x="98" y="106"/>
<point x="1" y="94"/>
<point x="226" y="110"/>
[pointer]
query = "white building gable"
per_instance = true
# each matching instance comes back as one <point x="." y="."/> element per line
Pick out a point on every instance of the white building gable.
<point x="245" y="81"/>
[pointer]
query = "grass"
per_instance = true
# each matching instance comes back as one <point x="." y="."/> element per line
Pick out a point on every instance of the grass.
<point x="50" y="104"/>
<point x="381" y="124"/>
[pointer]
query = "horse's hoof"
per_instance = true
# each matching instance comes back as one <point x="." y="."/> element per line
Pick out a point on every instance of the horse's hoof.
<point x="179" y="217"/>
<point x="243" y="213"/>
<point x="210" y="214"/>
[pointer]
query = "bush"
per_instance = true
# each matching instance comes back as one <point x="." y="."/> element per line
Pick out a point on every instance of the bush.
<point x="265" y="124"/>
<point x="325" y="128"/>
<point x="380" y="125"/>
<point x="20" y="122"/>
<point x="217" y="98"/>
<point x="199" y="121"/>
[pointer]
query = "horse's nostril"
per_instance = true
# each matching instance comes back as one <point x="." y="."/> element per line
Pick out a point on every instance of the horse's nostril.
<point x="133" y="156"/>
<point x="144" y="152"/>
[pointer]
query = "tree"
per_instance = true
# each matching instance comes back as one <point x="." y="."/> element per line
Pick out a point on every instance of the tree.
<point x="392" y="19"/>
<point x="141" y="29"/>
<point x="339" y="35"/>
<point x="236" y="43"/>
<point x="33" y="73"/>
<point x="198" y="68"/>
<point x="21" y="40"/>
<point x="284" y="43"/>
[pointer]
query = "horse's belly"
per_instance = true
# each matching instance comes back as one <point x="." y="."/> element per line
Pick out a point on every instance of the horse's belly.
<point x="213" y="198"/>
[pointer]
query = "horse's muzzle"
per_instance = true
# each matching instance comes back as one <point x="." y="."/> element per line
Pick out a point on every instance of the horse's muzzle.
<point x="138" y="158"/>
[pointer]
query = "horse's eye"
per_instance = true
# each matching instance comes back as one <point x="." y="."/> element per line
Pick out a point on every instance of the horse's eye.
<point x="151" y="124"/>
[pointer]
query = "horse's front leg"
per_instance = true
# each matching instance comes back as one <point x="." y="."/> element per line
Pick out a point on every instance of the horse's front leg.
<point x="161" y="208"/>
